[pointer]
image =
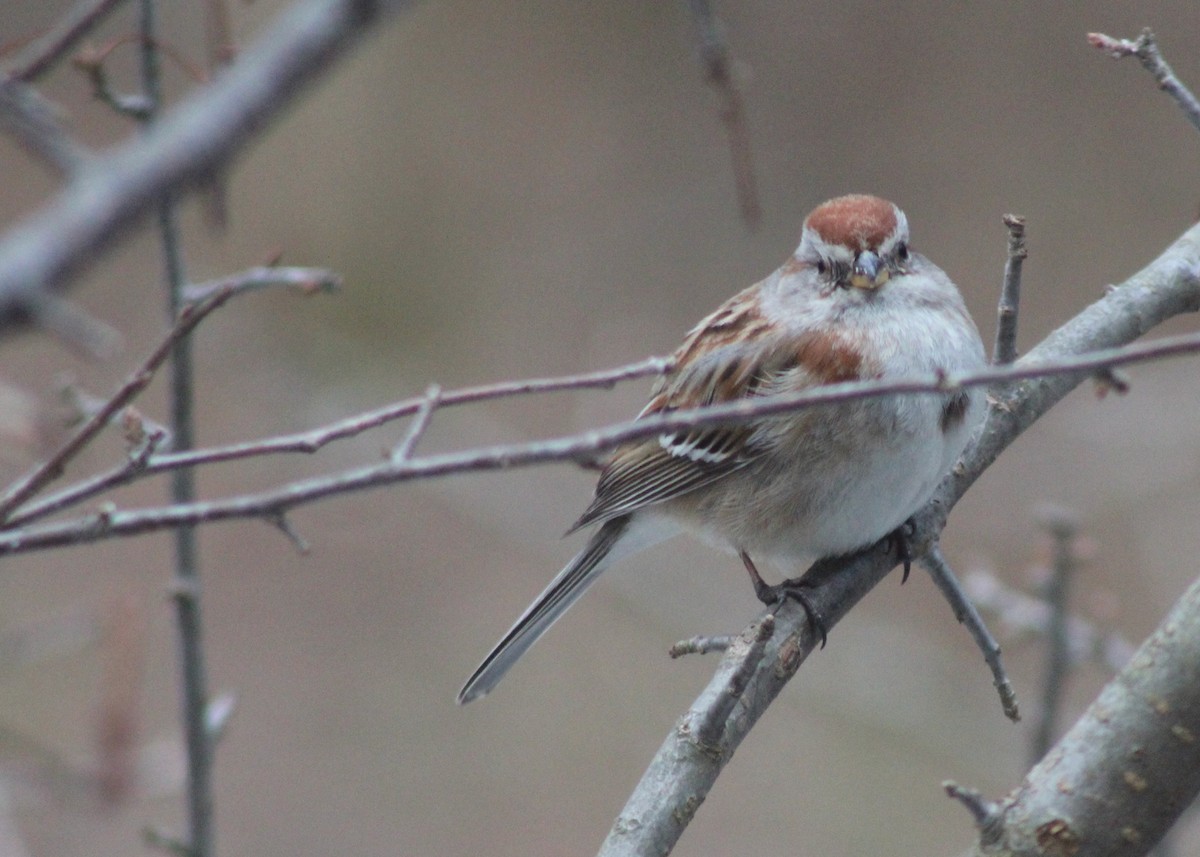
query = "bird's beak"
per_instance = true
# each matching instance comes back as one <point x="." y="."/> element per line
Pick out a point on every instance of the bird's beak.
<point x="869" y="271"/>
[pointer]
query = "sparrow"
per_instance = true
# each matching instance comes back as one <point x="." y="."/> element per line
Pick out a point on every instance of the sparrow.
<point x="854" y="302"/>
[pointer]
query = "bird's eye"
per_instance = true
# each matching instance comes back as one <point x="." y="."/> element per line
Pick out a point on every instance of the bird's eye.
<point x="901" y="251"/>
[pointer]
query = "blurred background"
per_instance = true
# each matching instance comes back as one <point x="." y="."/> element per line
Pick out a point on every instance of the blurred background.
<point x="535" y="188"/>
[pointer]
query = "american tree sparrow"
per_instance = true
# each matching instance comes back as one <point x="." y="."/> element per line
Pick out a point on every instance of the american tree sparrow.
<point x="854" y="302"/>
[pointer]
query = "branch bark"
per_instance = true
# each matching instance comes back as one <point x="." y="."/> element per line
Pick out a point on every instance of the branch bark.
<point x="684" y="769"/>
<point x="1126" y="770"/>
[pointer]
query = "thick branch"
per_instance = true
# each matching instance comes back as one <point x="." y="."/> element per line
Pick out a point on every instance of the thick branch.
<point x="199" y="135"/>
<point x="682" y="772"/>
<point x="1120" y="777"/>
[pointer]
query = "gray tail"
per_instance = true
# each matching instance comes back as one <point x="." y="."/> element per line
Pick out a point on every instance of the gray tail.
<point x="563" y="591"/>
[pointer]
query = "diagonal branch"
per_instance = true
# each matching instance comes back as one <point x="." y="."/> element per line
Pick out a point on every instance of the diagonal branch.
<point x="683" y="772"/>
<point x="1121" y="776"/>
<point x="46" y="249"/>
<point x="313" y="440"/>
<point x="50" y="469"/>
<point x="1145" y="48"/>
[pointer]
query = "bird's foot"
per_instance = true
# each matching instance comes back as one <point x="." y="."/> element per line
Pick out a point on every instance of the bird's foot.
<point x="773" y="595"/>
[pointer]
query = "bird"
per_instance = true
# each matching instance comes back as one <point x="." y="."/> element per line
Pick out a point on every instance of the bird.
<point x="854" y="302"/>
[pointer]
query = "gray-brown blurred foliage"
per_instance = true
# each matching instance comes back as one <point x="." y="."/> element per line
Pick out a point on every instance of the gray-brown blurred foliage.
<point x="521" y="188"/>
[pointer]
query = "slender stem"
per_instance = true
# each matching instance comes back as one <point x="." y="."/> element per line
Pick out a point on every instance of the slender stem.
<point x="1005" y="351"/>
<point x="966" y="613"/>
<point x="41" y="56"/>
<point x="187" y="566"/>
<point x="1062" y="528"/>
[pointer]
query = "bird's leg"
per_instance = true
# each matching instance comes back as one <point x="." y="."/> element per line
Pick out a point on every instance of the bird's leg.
<point x="900" y="540"/>
<point x="777" y="594"/>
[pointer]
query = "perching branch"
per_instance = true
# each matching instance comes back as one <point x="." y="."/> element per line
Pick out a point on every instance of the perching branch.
<point x="682" y="772"/>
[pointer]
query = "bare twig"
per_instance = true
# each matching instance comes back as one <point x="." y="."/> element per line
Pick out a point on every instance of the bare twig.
<point x="1145" y="48"/>
<point x="313" y="440"/>
<point x="284" y="524"/>
<point x="985" y="812"/>
<point x="701" y="645"/>
<point x="404" y="451"/>
<point x="36" y="125"/>
<point x="1036" y="370"/>
<point x="305" y="280"/>
<point x="1020" y="615"/>
<point x="966" y="613"/>
<point x="26" y="487"/>
<point x="186" y="581"/>
<point x="37" y="58"/>
<point x="741" y="660"/>
<point x="719" y="71"/>
<point x="1010" y="296"/>
<point x="1062" y="527"/>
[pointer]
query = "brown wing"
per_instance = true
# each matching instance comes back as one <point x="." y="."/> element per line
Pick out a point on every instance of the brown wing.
<point x="730" y="355"/>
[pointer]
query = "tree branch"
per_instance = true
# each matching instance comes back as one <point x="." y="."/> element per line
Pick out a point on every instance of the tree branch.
<point x="682" y="772"/>
<point x="1145" y="48"/>
<point x="38" y="57"/>
<point x="108" y="194"/>
<point x="1168" y="286"/>
<point x="1005" y="350"/>
<point x="49" y="470"/>
<point x="1123" y="773"/>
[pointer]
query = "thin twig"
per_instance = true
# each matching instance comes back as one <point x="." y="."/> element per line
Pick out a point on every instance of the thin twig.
<point x="987" y="814"/>
<point x="1020" y="615"/>
<point x="935" y="563"/>
<point x="701" y="645"/>
<point x="37" y="58"/>
<point x="284" y="524"/>
<point x="420" y="422"/>
<point x="313" y="440"/>
<point x="305" y="280"/>
<point x="1062" y="527"/>
<point x="737" y="667"/>
<point x="1033" y="368"/>
<point x="26" y="487"/>
<point x="1145" y="48"/>
<point x="719" y="71"/>
<point x="186" y="580"/>
<point x="1005" y="351"/>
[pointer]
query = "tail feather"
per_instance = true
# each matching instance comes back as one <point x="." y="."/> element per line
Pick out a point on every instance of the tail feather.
<point x="580" y="573"/>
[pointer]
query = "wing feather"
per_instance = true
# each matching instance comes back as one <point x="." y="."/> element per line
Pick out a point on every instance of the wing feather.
<point x="730" y="355"/>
